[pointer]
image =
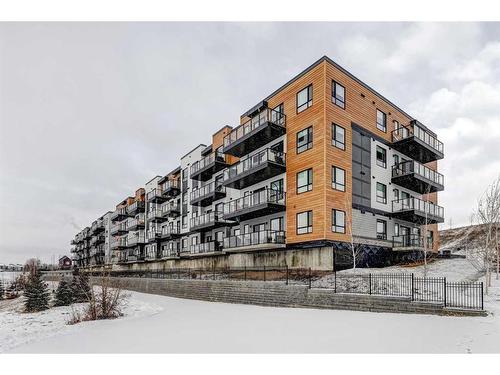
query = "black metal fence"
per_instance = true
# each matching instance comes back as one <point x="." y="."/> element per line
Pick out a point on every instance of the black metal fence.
<point x="465" y="295"/>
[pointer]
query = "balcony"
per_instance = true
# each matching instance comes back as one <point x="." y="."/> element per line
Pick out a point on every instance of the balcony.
<point x="153" y="235"/>
<point x="255" y="168"/>
<point x="260" y="203"/>
<point x="119" y="229"/>
<point x="136" y="223"/>
<point x="413" y="140"/>
<point x="261" y="129"/>
<point x="417" y="211"/>
<point x="170" y="188"/>
<point x="410" y="242"/>
<point x="205" y="248"/>
<point x="170" y="233"/>
<point x="136" y="208"/>
<point x="97" y="239"/>
<point x="204" y="169"/>
<point x="97" y="227"/>
<point x="417" y="177"/>
<point x="266" y="239"/>
<point x="136" y="240"/>
<point x="119" y="215"/>
<point x="205" y="195"/>
<point x="209" y="221"/>
<point x="172" y="209"/>
<point x="172" y="251"/>
<point x="156" y="196"/>
<point x="156" y="216"/>
<point x="119" y="243"/>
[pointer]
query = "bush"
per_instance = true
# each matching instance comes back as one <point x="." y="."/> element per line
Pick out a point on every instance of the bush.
<point x="64" y="294"/>
<point x="36" y="293"/>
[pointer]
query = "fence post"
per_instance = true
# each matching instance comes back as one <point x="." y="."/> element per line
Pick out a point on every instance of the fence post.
<point x="309" y="277"/>
<point x="264" y="273"/>
<point x="245" y="273"/>
<point x="412" y="287"/>
<point x="335" y="281"/>
<point x="214" y="270"/>
<point x="370" y="283"/>
<point x="444" y="291"/>
<point x="482" y="297"/>
<point x="287" y="275"/>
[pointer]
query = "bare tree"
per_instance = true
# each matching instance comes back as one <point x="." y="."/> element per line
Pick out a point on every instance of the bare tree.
<point x="427" y="203"/>
<point x="487" y="215"/>
<point x="355" y="251"/>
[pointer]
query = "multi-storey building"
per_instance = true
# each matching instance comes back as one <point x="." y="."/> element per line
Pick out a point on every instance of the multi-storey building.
<point x="321" y="162"/>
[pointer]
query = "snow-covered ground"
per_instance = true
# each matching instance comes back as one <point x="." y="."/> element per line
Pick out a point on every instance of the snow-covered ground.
<point x="158" y="324"/>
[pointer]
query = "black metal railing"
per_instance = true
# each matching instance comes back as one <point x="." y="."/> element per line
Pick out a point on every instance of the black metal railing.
<point x="417" y="204"/>
<point x="255" y="199"/>
<point x="205" y="247"/>
<point x="207" y="219"/>
<point x="207" y="190"/>
<point x="170" y="185"/>
<point x="254" y="161"/>
<point x="207" y="161"/>
<point x="266" y="115"/>
<point x="256" y="238"/>
<point x="411" y="288"/>
<point x="411" y="240"/>
<point x="412" y="166"/>
<point x="414" y="130"/>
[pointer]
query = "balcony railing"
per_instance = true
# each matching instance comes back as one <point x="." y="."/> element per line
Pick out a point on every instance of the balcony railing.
<point x="119" y="243"/>
<point x="417" y="177"/>
<point x="264" y="117"/>
<point x="154" y="195"/>
<point x="153" y="234"/>
<point x="210" y="164"/>
<point x="156" y="215"/>
<point x="208" y="193"/>
<point x="255" y="168"/>
<point x="172" y="250"/>
<point x="171" y="210"/>
<point x="120" y="228"/>
<point x="420" y="210"/>
<point x="256" y="204"/>
<point x="136" y="207"/>
<point x="411" y="240"/>
<point x="170" y="188"/>
<point x="119" y="214"/>
<point x="170" y="232"/>
<point x="417" y="132"/>
<point x="136" y="223"/>
<point x="211" y="219"/>
<point x="265" y="237"/>
<point x="205" y="247"/>
<point x="136" y="240"/>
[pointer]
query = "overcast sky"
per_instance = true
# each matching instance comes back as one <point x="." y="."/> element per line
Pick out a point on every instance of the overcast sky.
<point x="89" y="112"/>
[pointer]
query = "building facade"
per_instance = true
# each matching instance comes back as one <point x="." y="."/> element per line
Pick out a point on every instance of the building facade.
<point x="323" y="162"/>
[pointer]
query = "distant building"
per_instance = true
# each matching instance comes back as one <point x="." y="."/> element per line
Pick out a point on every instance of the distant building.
<point x="65" y="263"/>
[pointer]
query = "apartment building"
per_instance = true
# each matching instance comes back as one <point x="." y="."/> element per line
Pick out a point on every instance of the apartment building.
<point x="321" y="162"/>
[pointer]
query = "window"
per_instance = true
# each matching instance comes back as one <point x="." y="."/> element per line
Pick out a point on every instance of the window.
<point x="396" y="194"/>
<point x="396" y="229"/>
<point x="184" y="221"/>
<point x="396" y="125"/>
<point x="338" y="94"/>
<point x="277" y="185"/>
<point x="338" y="178"/>
<point x="184" y="243"/>
<point x="304" y="98"/>
<point x="304" y="181"/>
<point x="381" y="157"/>
<point x="396" y="159"/>
<point x="194" y="241"/>
<point x="338" y="136"/>
<point x="381" y="121"/>
<point x="304" y="222"/>
<point x="430" y="239"/>
<point x="277" y="224"/>
<point x="304" y="140"/>
<point x="381" y="193"/>
<point x="278" y="114"/>
<point x="381" y="229"/>
<point x="338" y="221"/>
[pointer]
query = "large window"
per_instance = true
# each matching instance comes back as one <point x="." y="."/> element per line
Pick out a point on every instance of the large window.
<point x="381" y="121"/>
<point x="381" y="229"/>
<point x="304" y="140"/>
<point x="338" y="221"/>
<point x="277" y="185"/>
<point x="305" y="181"/>
<point x="338" y="178"/>
<point x="381" y="157"/>
<point x="278" y="113"/>
<point x="381" y="193"/>
<point x="304" y="222"/>
<point x="338" y="136"/>
<point x="338" y="94"/>
<point x="277" y="224"/>
<point x="304" y="98"/>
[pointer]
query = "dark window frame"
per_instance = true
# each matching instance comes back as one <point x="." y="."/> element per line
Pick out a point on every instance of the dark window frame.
<point x="381" y="162"/>
<point x="309" y="102"/>
<point x="309" y="227"/>
<point x="309" y="134"/>
<point x="382" y="126"/>
<point x="309" y="185"/>
<point x="337" y="227"/>
<point x="381" y="235"/>
<point x="380" y="199"/>
<point x="335" y="100"/>
<point x="335" y="142"/>
<point x="335" y="184"/>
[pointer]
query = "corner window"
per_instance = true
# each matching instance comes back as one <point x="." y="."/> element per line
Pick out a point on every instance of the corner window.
<point x="304" y="98"/>
<point x="304" y="140"/>
<point x="381" y="121"/>
<point x="338" y="136"/>
<point x="338" y="178"/>
<point x="381" y="229"/>
<point x="278" y="114"/>
<point x="381" y="157"/>
<point x="338" y="221"/>
<point x="338" y="94"/>
<point x="304" y="181"/>
<point x="381" y="193"/>
<point x="304" y="222"/>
